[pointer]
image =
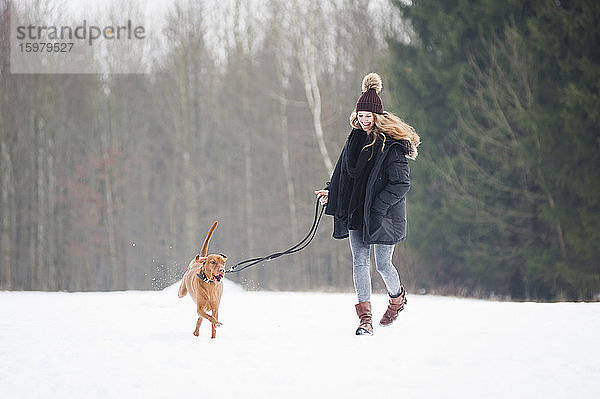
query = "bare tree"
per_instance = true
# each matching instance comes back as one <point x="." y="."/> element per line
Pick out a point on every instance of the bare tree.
<point x="6" y="163"/>
<point x="104" y="178"/>
<point x="305" y="37"/>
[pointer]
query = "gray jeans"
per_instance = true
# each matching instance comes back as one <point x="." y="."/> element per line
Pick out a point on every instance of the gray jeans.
<point x="361" y="257"/>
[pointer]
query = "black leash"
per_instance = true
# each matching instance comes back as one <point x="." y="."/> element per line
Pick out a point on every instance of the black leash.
<point x="296" y="248"/>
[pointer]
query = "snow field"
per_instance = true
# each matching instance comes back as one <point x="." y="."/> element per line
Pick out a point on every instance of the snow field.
<point x="293" y="345"/>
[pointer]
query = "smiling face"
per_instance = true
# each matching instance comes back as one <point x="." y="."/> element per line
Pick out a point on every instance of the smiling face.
<point x="366" y="120"/>
<point x="214" y="267"/>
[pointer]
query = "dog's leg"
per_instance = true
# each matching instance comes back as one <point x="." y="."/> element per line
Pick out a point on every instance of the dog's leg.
<point x="214" y="326"/>
<point x="208" y="317"/>
<point x="197" y="330"/>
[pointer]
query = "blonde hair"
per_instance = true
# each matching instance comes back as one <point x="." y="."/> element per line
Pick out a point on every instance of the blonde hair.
<point x="388" y="125"/>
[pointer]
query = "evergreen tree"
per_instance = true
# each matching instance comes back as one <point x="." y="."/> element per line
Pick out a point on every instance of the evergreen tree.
<point x="504" y="96"/>
<point x="564" y="37"/>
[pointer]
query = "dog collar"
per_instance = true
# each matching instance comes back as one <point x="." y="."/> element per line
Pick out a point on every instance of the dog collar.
<point x="204" y="278"/>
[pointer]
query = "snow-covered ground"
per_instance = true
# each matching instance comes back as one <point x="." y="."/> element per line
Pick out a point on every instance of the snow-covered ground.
<point x="294" y="345"/>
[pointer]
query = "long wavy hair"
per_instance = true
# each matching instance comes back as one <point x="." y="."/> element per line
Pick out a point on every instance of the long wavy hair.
<point x="389" y="126"/>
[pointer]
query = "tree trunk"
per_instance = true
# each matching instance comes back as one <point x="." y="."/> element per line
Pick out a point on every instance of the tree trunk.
<point x="249" y="202"/>
<point x="313" y="96"/>
<point x="51" y="238"/>
<point x="559" y="232"/>
<point x="6" y="242"/>
<point x="39" y="220"/>
<point x="285" y="158"/>
<point x="109" y="148"/>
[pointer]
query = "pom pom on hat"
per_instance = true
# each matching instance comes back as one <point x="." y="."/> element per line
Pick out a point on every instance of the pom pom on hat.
<point x="372" y="81"/>
<point x="370" y="101"/>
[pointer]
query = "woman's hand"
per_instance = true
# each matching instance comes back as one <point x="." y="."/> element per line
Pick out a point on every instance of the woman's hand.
<point x="323" y="196"/>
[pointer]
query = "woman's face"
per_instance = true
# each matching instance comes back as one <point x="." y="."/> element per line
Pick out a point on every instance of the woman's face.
<point x="366" y="120"/>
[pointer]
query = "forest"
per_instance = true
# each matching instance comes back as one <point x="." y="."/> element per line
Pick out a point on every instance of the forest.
<point x="110" y="181"/>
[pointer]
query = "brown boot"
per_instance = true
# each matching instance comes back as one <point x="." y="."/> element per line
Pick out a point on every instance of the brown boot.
<point x="396" y="306"/>
<point x="363" y="310"/>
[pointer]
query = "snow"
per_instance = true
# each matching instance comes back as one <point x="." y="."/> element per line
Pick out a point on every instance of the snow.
<point x="294" y="345"/>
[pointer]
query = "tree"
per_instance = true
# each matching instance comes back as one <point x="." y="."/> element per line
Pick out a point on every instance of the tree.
<point x="492" y="102"/>
<point x="564" y="37"/>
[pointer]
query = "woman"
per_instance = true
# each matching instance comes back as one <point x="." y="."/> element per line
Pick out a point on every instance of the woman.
<point x="366" y="197"/>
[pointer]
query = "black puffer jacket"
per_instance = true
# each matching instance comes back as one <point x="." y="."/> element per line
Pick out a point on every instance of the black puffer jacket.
<point x="385" y="204"/>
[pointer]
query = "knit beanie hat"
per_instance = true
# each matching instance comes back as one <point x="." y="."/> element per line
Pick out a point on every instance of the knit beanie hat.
<point x="370" y="101"/>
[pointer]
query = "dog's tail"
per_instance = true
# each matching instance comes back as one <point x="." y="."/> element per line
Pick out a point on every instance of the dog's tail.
<point x="204" y="249"/>
<point x="182" y="289"/>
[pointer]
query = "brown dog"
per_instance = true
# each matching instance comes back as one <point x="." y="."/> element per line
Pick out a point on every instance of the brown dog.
<point x="203" y="281"/>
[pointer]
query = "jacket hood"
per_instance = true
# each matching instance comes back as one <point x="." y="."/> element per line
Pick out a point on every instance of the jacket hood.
<point x="409" y="149"/>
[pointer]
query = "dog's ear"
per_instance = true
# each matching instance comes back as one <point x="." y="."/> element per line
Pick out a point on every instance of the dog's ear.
<point x="200" y="259"/>
<point x="223" y="256"/>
